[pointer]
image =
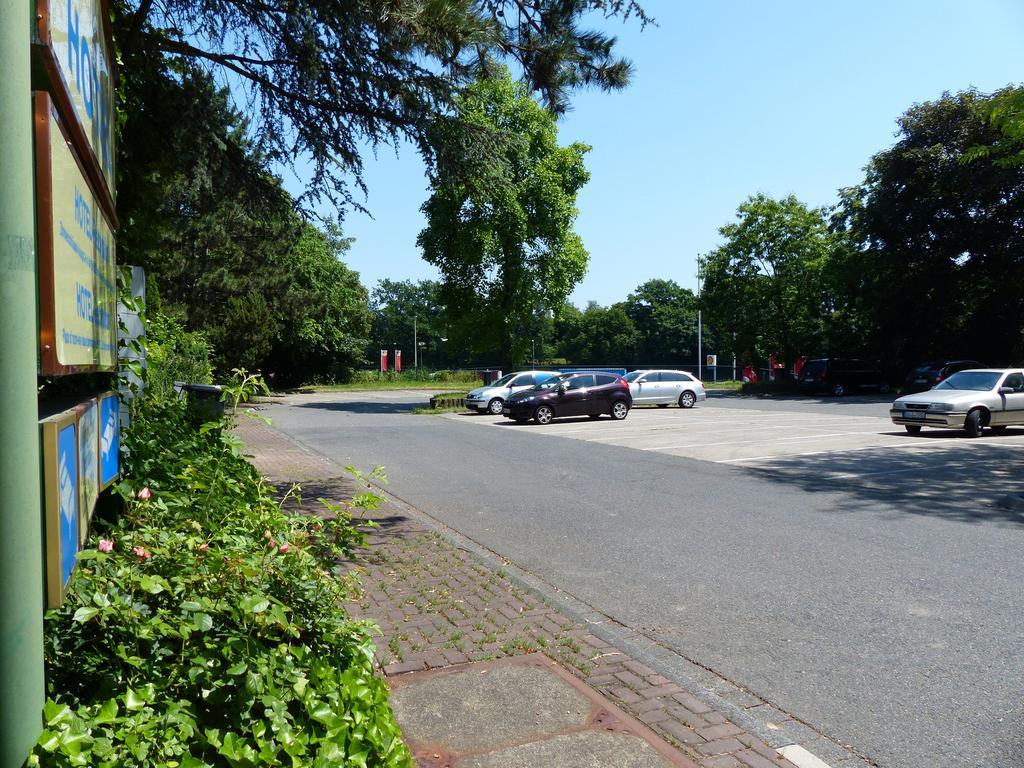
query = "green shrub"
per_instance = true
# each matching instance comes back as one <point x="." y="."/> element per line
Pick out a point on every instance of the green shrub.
<point x="413" y="377"/>
<point x="174" y="354"/>
<point x="204" y="626"/>
<point x="448" y="400"/>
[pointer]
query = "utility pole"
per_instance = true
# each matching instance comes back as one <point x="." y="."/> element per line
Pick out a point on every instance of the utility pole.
<point x="21" y="568"/>
<point x="415" y="347"/>
<point x="700" y="349"/>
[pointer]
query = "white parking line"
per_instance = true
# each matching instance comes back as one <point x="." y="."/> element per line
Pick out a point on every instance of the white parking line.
<point x="902" y="448"/>
<point x="752" y="442"/>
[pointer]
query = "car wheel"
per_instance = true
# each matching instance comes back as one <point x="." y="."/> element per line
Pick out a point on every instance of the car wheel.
<point x="973" y="425"/>
<point x="543" y="414"/>
<point x="687" y="399"/>
<point x="913" y="429"/>
<point x="620" y="410"/>
<point x="594" y="415"/>
<point x="838" y="390"/>
<point x="495" y="406"/>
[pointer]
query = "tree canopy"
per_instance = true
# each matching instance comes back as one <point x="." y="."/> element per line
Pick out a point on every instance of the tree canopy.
<point x="503" y="237"/>
<point x="665" y="318"/>
<point x="763" y="287"/>
<point x="936" y="244"/>
<point x="325" y="78"/>
<point x="220" y="240"/>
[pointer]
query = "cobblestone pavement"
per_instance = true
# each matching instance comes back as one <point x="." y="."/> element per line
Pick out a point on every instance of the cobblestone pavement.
<point x="439" y="605"/>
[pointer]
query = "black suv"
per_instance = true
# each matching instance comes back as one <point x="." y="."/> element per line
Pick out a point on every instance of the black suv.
<point x="927" y="375"/>
<point x="572" y="394"/>
<point x="841" y="376"/>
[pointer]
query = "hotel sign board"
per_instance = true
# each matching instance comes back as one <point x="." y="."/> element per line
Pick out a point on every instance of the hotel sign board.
<point x="75" y="243"/>
<point x="75" y="44"/>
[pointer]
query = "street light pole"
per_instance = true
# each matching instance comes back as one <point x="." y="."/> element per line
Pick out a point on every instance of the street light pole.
<point x="22" y="688"/>
<point x="415" y="347"/>
<point x="700" y="349"/>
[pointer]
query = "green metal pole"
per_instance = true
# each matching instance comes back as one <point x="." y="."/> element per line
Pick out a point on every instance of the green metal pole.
<point x="21" y="527"/>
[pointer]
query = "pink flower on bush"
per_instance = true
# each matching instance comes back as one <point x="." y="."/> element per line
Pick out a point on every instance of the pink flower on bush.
<point x="106" y="545"/>
<point x="284" y="548"/>
<point x="203" y="547"/>
<point x="142" y="553"/>
<point x="145" y="493"/>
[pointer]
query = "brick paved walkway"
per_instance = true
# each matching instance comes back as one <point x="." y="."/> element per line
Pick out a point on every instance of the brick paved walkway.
<point x="438" y="605"/>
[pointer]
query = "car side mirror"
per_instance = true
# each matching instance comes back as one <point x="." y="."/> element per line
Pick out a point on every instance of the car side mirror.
<point x="1006" y="390"/>
<point x="562" y="388"/>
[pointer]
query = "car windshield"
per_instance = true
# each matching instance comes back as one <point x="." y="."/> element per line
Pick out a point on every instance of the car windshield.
<point x="631" y="377"/>
<point x="504" y="380"/>
<point x="979" y="381"/>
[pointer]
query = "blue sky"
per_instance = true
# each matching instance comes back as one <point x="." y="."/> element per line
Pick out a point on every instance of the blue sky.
<point x="729" y="98"/>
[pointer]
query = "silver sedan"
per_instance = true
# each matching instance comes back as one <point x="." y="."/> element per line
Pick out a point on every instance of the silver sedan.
<point x="968" y="400"/>
<point x="663" y="388"/>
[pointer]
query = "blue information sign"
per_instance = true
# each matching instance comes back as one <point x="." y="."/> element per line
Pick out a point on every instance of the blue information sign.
<point x="110" y="442"/>
<point x="67" y="489"/>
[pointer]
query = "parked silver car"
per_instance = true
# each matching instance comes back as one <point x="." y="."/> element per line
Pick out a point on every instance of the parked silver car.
<point x="663" y="388"/>
<point x="492" y="397"/>
<point x="968" y="400"/>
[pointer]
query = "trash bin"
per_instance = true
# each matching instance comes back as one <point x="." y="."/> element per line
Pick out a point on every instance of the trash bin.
<point x="203" y="399"/>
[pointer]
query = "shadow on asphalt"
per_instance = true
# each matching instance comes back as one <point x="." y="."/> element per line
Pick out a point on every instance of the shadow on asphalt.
<point x="981" y="485"/>
<point x="367" y="406"/>
<point x="822" y="399"/>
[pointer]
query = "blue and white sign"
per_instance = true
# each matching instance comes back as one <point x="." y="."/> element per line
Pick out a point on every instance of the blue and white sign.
<point x="67" y="488"/>
<point x="110" y="440"/>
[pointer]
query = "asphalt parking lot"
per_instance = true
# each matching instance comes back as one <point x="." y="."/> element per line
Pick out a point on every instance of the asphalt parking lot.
<point x="814" y="442"/>
<point x="865" y="581"/>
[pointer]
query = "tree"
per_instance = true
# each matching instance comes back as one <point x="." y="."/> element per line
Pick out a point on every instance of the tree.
<point x="323" y="78"/>
<point x="325" y="316"/>
<point x="403" y="310"/>
<point x="665" y="318"/>
<point x="220" y="239"/>
<point x="764" y="292"/>
<point x="936" y="256"/>
<point x="503" y="238"/>
<point x="597" y="335"/>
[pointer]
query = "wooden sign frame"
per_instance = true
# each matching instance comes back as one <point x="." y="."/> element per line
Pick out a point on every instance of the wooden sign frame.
<point x="61" y="500"/>
<point x="49" y="364"/>
<point x="45" y="49"/>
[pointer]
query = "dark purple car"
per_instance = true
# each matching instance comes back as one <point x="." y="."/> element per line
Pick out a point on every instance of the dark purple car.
<point x="572" y="394"/>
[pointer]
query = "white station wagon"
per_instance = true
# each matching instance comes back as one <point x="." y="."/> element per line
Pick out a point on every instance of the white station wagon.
<point x="664" y="388"/>
<point x="968" y="400"/>
<point x="492" y="397"/>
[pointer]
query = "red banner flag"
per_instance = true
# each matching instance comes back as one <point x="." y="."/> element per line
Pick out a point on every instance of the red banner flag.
<point x="398" y="361"/>
<point x="383" y="361"/>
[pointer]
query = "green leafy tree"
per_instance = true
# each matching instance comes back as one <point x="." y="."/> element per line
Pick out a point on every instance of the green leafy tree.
<point x="665" y="318"/>
<point x="503" y="239"/>
<point x="936" y="247"/>
<point x="219" y="237"/>
<point x="404" y="311"/>
<point x="325" y="78"/>
<point x="325" y="314"/>
<point x="764" y="290"/>
<point x="1004" y="112"/>
<point x="597" y="335"/>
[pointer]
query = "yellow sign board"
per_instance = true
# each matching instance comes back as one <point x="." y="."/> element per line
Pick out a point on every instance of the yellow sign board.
<point x="77" y="269"/>
<point x="75" y="37"/>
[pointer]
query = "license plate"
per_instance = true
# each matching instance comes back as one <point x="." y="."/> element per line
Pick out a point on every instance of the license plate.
<point x="913" y="414"/>
<point x="506" y="411"/>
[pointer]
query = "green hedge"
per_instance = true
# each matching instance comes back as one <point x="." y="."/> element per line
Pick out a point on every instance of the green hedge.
<point x="204" y="626"/>
<point x="448" y="400"/>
